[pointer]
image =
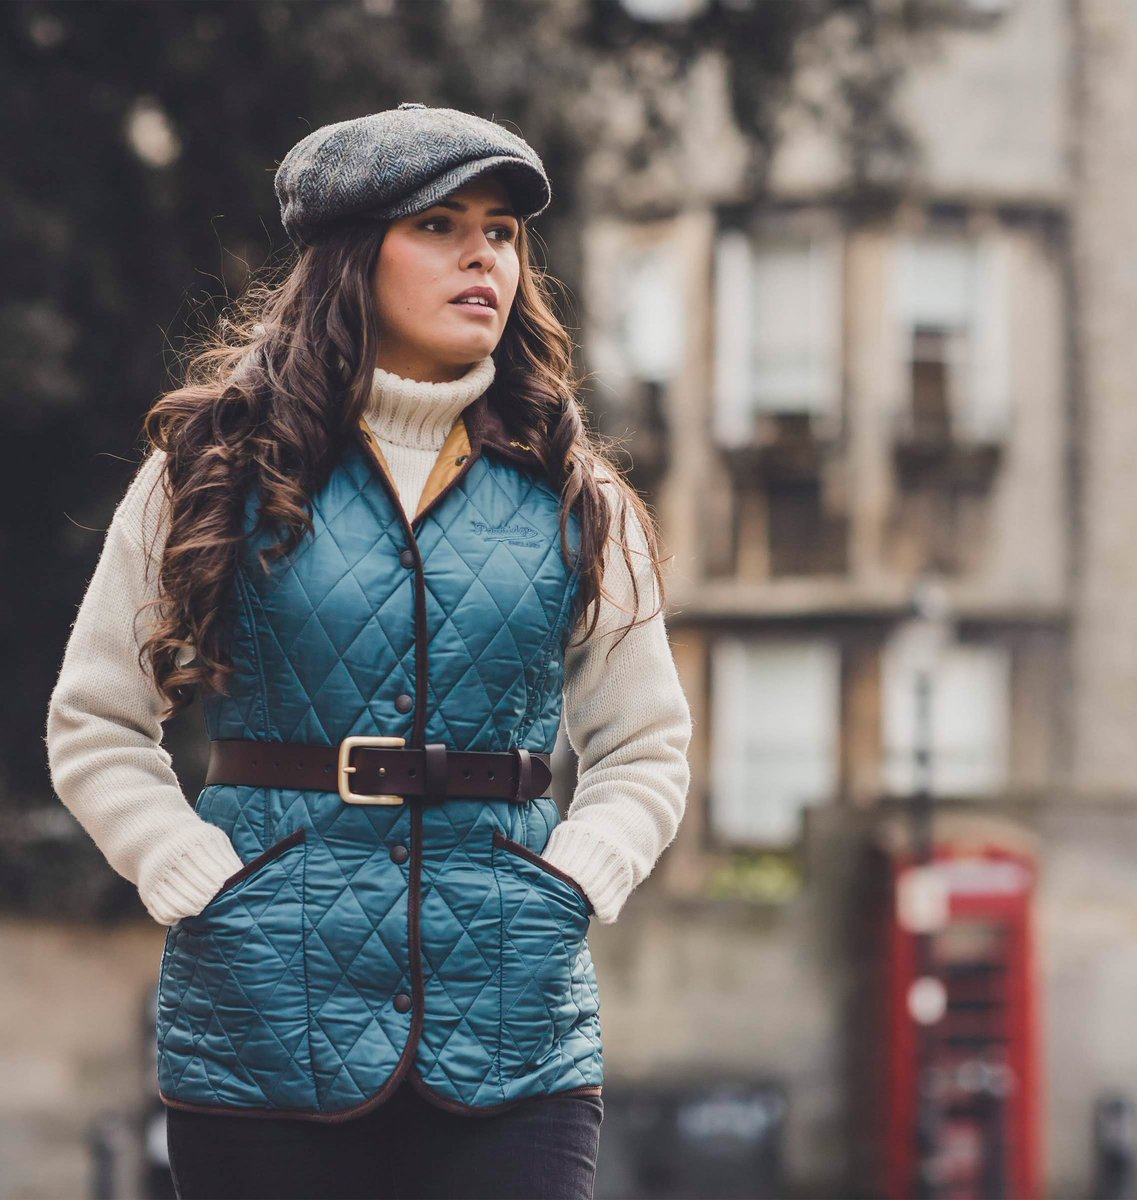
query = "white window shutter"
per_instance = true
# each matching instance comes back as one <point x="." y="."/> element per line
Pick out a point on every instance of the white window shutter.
<point x="775" y="735"/>
<point x="796" y="325"/>
<point x="654" y="309"/>
<point x="732" y="411"/>
<point x="937" y="281"/>
<point x="988" y="415"/>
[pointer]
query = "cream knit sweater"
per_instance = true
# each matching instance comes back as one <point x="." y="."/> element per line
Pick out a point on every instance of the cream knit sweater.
<point x="627" y="719"/>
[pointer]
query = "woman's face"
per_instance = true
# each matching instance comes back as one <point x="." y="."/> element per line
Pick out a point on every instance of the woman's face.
<point x="468" y="239"/>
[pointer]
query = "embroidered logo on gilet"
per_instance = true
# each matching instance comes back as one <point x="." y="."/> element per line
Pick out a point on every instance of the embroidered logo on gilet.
<point x="516" y="533"/>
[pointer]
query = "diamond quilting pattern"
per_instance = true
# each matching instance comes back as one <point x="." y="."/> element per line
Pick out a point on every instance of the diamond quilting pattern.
<point x="475" y="968"/>
<point x="280" y="994"/>
<point x="549" y="999"/>
<point x="232" y="1005"/>
<point x="331" y="625"/>
<point x="358" y="950"/>
<point x="461" y="953"/>
<point x="496" y="605"/>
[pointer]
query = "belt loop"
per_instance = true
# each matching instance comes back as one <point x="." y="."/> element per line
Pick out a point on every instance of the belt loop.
<point x="434" y="772"/>
<point x="524" y="772"/>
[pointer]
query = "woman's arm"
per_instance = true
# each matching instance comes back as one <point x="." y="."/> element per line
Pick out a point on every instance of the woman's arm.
<point x="104" y="727"/>
<point x="628" y="720"/>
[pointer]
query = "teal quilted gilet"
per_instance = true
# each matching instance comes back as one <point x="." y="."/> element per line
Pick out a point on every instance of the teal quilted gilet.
<point x="372" y="943"/>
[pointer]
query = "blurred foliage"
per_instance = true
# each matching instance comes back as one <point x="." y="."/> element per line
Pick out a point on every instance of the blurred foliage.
<point x="766" y="877"/>
<point x="140" y="147"/>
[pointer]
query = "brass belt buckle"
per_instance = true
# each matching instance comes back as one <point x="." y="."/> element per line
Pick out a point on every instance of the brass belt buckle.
<point x="345" y="768"/>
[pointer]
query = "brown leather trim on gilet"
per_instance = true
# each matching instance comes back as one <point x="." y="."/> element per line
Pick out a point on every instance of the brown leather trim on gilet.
<point x="453" y="453"/>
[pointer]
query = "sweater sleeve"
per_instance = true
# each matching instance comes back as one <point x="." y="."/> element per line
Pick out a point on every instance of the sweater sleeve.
<point x="104" y="726"/>
<point x="629" y="722"/>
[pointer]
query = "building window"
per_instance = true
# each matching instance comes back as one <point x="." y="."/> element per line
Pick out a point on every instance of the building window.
<point x="969" y="722"/>
<point x="952" y="314"/>
<point x="778" y="328"/>
<point x="638" y="306"/>
<point x="665" y="10"/>
<point x="775" y="734"/>
<point x="653" y="311"/>
<point x="984" y="10"/>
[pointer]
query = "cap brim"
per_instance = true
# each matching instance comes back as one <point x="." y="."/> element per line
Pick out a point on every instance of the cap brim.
<point x="528" y="190"/>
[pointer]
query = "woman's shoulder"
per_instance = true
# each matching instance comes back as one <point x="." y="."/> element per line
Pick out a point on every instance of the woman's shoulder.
<point x="142" y="511"/>
<point x="617" y="494"/>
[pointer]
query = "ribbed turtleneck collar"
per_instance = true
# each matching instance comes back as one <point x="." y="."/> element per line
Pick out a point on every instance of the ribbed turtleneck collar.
<point x="410" y="412"/>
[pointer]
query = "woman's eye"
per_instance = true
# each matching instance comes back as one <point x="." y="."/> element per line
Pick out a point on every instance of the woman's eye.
<point x="507" y="230"/>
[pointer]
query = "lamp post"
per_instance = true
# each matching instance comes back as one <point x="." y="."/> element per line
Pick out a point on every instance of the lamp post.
<point x="926" y="906"/>
<point x="928" y="633"/>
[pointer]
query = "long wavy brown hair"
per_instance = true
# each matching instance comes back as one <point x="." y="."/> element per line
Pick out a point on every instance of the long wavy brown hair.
<point x="273" y="392"/>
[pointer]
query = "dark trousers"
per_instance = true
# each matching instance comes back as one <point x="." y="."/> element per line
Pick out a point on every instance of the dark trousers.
<point x="405" y="1149"/>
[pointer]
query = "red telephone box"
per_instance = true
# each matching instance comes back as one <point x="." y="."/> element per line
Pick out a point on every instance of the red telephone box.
<point x="950" y="1066"/>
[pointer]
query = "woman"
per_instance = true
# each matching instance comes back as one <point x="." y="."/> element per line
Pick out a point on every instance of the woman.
<point x="374" y="530"/>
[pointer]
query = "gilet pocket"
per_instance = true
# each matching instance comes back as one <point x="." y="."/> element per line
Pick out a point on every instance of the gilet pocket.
<point x="251" y="868"/>
<point x="544" y="923"/>
<point x="501" y="842"/>
<point x="233" y="998"/>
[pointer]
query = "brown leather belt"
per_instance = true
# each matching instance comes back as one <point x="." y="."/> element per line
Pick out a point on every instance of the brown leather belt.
<point x="362" y="765"/>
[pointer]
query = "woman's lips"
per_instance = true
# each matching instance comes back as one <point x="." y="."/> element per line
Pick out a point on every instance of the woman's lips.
<point x="479" y="310"/>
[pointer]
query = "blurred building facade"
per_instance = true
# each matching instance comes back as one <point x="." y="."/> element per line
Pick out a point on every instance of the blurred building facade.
<point x="827" y="398"/>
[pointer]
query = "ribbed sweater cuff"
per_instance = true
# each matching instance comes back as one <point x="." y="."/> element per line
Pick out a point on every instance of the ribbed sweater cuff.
<point x="193" y="877"/>
<point x="598" y="867"/>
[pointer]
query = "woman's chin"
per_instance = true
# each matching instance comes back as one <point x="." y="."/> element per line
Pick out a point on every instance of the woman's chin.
<point x="474" y="343"/>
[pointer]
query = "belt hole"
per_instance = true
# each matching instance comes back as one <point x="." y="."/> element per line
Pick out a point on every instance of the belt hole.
<point x="411" y="771"/>
<point x="490" y="773"/>
<point x="465" y="774"/>
<point x="253" y="761"/>
<point x="276" y="762"/>
<point x="327" y="768"/>
<point x="299" y="764"/>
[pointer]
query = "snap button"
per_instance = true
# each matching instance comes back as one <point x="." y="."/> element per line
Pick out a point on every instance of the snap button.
<point x="404" y="703"/>
<point x="407" y="558"/>
<point x="399" y="854"/>
<point x="402" y="1002"/>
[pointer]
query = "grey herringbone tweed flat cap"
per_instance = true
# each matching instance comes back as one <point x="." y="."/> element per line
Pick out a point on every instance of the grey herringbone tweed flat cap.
<point x="397" y="162"/>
